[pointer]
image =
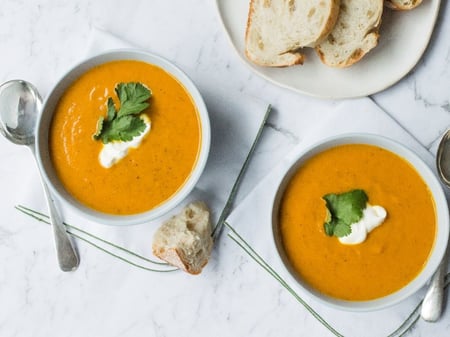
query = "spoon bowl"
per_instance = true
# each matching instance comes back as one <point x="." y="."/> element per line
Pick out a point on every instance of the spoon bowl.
<point x="20" y="104"/>
<point x="443" y="159"/>
<point x="20" y="101"/>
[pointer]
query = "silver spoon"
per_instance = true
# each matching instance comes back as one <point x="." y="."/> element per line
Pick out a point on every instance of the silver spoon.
<point x="433" y="301"/>
<point x="20" y="104"/>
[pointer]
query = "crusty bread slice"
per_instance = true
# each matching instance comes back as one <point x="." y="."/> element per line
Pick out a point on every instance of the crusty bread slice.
<point x="276" y="29"/>
<point x="184" y="241"/>
<point x="354" y="35"/>
<point x="402" y="5"/>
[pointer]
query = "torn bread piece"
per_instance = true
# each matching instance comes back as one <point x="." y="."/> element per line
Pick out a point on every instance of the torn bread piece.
<point x="354" y="35"/>
<point x="277" y="29"/>
<point x="184" y="241"/>
<point x="402" y="5"/>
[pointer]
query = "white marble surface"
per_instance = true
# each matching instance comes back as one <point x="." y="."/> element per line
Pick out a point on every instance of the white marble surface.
<point x="39" y="41"/>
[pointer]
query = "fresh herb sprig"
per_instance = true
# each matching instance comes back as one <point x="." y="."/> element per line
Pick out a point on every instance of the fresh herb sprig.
<point x="234" y="190"/>
<point x="105" y="246"/>
<point x="241" y="242"/>
<point x="343" y="210"/>
<point x="400" y="331"/>
<point x="125" y="123"/>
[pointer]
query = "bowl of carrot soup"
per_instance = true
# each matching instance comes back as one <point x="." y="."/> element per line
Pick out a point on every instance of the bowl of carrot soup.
<point x="360" y="222"/>
<point x="123" y="137"/>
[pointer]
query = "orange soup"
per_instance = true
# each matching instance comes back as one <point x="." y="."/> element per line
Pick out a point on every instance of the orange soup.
<point x="393" y="253"/>
<point x="149" y="174"/>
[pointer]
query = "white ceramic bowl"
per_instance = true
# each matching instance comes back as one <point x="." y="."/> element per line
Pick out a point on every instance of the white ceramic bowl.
<point x="42" y="149"/>
<point x="442" y="214"/>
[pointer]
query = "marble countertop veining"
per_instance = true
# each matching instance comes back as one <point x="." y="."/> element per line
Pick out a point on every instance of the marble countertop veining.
<point x="40" y="40"/>
<point x="420" y="102"/>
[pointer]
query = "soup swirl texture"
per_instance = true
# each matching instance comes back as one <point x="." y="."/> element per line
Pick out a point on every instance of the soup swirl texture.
<point x="392" y="255"/>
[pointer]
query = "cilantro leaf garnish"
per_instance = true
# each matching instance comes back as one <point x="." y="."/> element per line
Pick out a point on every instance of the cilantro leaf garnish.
<point x="133" y="97"/>
<point x="125" y="123"/>
<point x="343" y="210"/>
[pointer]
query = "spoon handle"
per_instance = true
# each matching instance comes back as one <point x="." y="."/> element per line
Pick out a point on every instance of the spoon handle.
<point x="65" y="251"/>
<point x="67" y="257"/>
<point x="433" y="302"/>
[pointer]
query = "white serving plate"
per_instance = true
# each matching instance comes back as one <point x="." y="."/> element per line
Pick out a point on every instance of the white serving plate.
<point x="404" y="36"/>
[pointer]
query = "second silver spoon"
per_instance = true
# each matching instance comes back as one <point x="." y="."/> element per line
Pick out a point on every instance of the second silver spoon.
<point x="433" y="301"/>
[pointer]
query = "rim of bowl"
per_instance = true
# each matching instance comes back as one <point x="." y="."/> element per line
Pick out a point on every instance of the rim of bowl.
<point x="45" y="118"/>
<point x="441" y="210"/>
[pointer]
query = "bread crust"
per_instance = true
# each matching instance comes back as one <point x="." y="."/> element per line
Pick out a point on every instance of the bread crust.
<point x="175" y="257"/>
<point x="293" y="56"/>
<point x="297" y="57"/>
<point x="356" y="56"/>
<point x="369" y="40"/>
<point x="402" y="5"/>
<point x="330" y="23"/>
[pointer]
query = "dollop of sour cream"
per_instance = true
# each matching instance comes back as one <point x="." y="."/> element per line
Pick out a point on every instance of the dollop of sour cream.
<point x="112" y="152"/>
<point x="373" y="216"/>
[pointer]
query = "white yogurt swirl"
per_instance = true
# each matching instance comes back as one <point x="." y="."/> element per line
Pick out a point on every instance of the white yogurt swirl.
<point x="373" y="216"/>
<point x="113" y="152"/>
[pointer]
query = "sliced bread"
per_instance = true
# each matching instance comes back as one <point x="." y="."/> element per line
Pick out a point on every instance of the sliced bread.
<point x="276" y="29"/>
<point x="354" y="35"/>
<point x="402" y="5"/>
<point x="184" y="241"/>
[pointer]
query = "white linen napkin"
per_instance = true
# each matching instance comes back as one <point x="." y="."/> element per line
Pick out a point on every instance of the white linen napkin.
<point x="252" y="218"/>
